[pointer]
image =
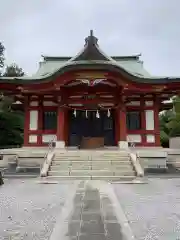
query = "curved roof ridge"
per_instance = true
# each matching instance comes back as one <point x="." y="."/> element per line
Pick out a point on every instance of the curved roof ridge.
<point x="91" y="50"/>
<point x="71" y="63"/>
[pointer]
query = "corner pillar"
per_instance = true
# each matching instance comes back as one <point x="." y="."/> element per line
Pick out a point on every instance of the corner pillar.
<point x="40" y="121"/>
<point x="26" y="121"/>
<point x="123" y="143"/>
<point x="156" y="122"/>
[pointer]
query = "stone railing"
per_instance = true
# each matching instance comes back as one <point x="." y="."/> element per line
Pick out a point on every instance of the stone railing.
<point x="136" y="164"/>
<point x="48" y="158"/>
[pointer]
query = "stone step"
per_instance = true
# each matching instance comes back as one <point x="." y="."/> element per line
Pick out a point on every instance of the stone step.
<point x="70" y="166"/>
<point x="21" y="176"/>
<point x="101" y="164"/>
<point x="105" y="178"/>
<point x="90" y="172"/>
<point x="31" y="154"/>
<point x="109" y="155"/>
<point x="72" y="158"/>
<point x="111" y="159"/>
<point x="92" y="159"/>
<point x="92" y="154"/>
<point x="114" y="153"/>
<point x="91" y="167"/>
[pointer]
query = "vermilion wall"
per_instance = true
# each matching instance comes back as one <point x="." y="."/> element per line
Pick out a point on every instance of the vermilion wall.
<point x="147" y="136"/>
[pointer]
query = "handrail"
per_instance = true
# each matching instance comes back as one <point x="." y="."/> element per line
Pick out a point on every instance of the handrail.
<point x="135" y="160"/>
<point x="50" y="149"/>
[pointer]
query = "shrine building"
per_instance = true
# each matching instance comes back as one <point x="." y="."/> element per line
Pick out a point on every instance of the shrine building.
<point x="91" y="100"/>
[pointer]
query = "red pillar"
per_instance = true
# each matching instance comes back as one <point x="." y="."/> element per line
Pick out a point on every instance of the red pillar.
<point x="156" y="122"/>
<point x="143" y="120"/>
<point x="121" y="117"/>
<point x="40" y="122"/>
<point x="123" y="128"/>
<point x="26" y="121"/>
<point x="117" y="126"/>
<point x="61" y="126"/>
<point x="66" y="132"/>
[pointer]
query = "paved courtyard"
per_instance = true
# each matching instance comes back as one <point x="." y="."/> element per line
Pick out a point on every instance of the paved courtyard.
<point x="153" y="210"/>
<point x="29" y="210"/>
<point x="90" y="210"/>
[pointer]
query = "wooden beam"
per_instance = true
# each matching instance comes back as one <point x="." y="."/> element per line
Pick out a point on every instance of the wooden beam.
<point x="91" y="101"/>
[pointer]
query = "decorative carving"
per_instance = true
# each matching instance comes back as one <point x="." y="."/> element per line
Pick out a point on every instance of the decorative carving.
<point x="91" y="82"/>
<point x="91" y="39"/>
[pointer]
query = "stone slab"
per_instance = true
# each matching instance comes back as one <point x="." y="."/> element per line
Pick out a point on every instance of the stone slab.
<point x="152" y="154"/>
<point x="29" y="210"/>
<point x="152" y="210"/>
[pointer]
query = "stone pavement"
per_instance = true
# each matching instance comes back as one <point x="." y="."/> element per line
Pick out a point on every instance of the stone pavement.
<point x="79" y="210"/>
<point x="91" y="215"/>
<point x="153" y="209"/>
<point x="29" y="210"/>
<point x="94" y="210"/>
<point x="89" y="221"/>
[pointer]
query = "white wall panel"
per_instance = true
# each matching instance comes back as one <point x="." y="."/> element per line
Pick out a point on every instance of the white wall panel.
<point x="32" y="138"/>
<point x="33" y="120"/>
<point x="149" y="119"/>
<point x="150" y="138"/>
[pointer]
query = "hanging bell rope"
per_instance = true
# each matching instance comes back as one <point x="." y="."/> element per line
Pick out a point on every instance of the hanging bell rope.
<point x="74" y="112"/>
<point x="97" y="114"/>
<point x="108" y="113"/>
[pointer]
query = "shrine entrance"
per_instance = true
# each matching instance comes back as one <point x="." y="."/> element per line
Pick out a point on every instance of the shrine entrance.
<point x="91" y="129"/>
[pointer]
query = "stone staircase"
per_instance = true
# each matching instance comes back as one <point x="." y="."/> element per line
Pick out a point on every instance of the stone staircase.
<point x="97" y="165"/>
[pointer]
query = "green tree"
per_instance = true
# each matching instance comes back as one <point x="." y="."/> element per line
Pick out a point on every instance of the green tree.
<point x="164" y="119"/>
<point x="1" y="57"/>
<point x="13" y="70"/>
<point x="174" y="121"/>
<point x="11" y="122"/>
<point x="11" y="128"/>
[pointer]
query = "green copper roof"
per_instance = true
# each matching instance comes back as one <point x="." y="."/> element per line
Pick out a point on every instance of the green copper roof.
<point x="91" y="57"/>
<point x="130" y="64"/>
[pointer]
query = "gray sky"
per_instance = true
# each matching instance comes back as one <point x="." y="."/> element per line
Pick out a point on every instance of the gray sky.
<point x="29" y="28"/>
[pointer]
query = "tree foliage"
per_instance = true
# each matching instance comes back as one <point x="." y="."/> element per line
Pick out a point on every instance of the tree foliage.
<point x="13" y="71"/>
<point x="11" y="122"/>
<point x="11" y="128"/>
<point x="174" y="121"/>
<point x="164" y="119"/>
<point x="170" y="122"/>
<point x="1" y="57"/>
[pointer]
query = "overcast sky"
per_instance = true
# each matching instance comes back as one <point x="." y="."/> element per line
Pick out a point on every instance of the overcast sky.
<point x="29" y="28"/>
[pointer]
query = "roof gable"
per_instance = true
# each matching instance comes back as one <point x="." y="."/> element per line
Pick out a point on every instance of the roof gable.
<point x="91" y="51"/>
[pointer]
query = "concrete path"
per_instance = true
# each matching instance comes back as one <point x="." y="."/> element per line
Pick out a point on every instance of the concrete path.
<point x="91" y="215"/>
